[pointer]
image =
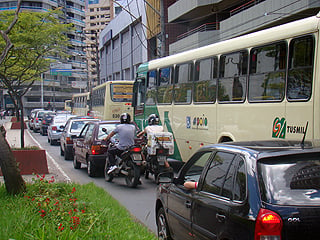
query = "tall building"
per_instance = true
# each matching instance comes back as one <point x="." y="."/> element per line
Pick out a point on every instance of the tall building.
<point x="98" y="14"/>
<point x="198" y="23"/>
<point x="66" y="76"/>
<point x="123" y="42"/>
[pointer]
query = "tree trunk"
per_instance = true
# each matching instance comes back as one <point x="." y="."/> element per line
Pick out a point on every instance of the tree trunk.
<point x="20" y="104"/>
<point x="13" y="180"/>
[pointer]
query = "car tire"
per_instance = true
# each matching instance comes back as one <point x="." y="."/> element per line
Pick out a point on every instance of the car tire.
<point x="61" y="151"/>
<point x="91" y="169"/>
<point x="162" y="225"/>
<point x="76" y="164"/>
<point x="67" y="154"/>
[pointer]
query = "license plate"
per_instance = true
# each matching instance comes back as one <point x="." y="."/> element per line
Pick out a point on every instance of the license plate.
<point x="161" y="159"/>
<point x="136" y="157"/>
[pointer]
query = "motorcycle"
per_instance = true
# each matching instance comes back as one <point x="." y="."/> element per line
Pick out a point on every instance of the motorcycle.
<point x="130" y="163"/>
<point x="159" y="147"/>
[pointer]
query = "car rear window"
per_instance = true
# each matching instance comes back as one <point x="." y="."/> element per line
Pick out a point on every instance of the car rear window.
<point x="292" y="180"/>
<point x="109" y="127"/>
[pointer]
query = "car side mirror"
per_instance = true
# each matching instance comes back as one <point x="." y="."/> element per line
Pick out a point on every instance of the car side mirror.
<point x="104" y="130"/>
<point x="165" y="177"/>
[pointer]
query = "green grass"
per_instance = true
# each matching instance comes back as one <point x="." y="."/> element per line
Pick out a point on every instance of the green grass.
<point x="50" y="210"/>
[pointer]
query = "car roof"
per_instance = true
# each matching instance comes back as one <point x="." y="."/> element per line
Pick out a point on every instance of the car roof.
<point x="268" y="149"/>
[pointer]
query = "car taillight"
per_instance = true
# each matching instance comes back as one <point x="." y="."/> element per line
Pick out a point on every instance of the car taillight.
<point x="43" y="121"/>
<point x="69" y="140"/>
<point x="37" y="120"/>
<point x="268" y="225"/>
<point x="96" y="149"/>
<point x="54" y="128"/>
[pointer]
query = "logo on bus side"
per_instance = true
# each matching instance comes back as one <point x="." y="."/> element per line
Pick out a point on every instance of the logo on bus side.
<point x="280" y="128"/>
<point x="197" y="122"/>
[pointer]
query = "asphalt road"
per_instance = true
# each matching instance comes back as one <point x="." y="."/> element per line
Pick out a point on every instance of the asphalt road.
<point x="139" y="201"/>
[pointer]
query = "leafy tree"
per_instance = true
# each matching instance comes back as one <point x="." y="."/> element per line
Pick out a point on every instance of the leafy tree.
<point x="38" y="39"/>
<point x="13" y="180"/>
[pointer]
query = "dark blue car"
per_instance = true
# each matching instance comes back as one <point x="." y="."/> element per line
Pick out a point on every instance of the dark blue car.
<point x="251" y="190"/>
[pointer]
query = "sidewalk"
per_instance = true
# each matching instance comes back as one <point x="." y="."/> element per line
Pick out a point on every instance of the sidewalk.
<point x="13" y="139"/>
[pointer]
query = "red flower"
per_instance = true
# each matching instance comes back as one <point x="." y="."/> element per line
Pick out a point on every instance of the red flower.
<point x="60" y="227"/>
<point x="73" y="190"/>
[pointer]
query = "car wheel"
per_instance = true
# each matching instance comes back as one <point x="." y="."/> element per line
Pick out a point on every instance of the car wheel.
<point x="91" y="169"/>
<point x="67" y="154"/>
<point x="76" y="164"/>
<point x="162" y="226"/>
<point x="61" y="151"/>
<point x="107" y="177"/>
<point x="51" y="142"/>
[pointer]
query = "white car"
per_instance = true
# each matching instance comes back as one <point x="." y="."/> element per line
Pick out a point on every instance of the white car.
<point x="56" y="127"/>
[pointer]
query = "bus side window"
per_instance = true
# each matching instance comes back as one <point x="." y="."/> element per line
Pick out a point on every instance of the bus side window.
<point x="138" y="93"/>
<point x="183" y="83"/>
<point x="233" y="77"/>
<point x="205" y="82"/>
<point x="300" y="74"/>
<point x="267" y="72"/>
<point x="165" y="87"/>
<point x="151" y="88"/>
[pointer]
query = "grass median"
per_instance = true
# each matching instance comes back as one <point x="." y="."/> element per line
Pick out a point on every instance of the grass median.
<point x="50" y="210"/>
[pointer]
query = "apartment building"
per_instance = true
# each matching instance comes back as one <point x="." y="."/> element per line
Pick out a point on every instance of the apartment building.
<point x="98" y="14"/>
<point x="57" y="86"/>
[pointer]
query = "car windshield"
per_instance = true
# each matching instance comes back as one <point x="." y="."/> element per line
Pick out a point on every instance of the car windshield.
<point x="290" y="181"/>
<point x="109" y="127"/>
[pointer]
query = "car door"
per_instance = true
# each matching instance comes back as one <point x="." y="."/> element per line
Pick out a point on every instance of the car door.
<point x="211" y="204"/>
<point x="180" y="199"/>
<point x="87" y="142"/>
<point x="79" y="145"/>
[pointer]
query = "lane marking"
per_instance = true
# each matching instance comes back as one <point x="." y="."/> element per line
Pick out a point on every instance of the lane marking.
<point x="68" y="179"/>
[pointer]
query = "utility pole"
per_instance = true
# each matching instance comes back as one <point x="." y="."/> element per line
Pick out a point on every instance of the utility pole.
<point x="163" y="29"/>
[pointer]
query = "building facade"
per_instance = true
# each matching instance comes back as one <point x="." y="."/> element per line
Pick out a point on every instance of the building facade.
<point x="123" y="43"/>
<point x="66" y="76"/>
<point x="98" y="14"/>
<point x="201" y="22"/>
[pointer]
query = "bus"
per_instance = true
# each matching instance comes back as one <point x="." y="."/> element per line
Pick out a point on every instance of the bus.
<point x="81" y="104"/>
<point x="259" y="86"/>
<point x="68" y="105"/>
<point x="112" y="98"/>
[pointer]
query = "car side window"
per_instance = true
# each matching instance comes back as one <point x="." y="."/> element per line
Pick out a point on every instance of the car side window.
<point x="240" y="186"/>
<point x="195" y="170"/>
<point x="88" y="135"/>
<point x="217" y="175"/>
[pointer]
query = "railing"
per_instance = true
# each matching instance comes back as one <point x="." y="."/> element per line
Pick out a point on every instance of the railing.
<point x="202" y="28"/>
<point x="244" y="6"/>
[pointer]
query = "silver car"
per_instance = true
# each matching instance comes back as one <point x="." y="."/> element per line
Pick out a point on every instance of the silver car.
<point x="38" y="118"/>
<point x="56" y="127"/>
<point x="72" y="128"/>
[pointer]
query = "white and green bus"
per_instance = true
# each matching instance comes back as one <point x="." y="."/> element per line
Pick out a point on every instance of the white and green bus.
<point x="111" y="99"/>
<point x="259" y="86"/>
<point x="81" y="103"/>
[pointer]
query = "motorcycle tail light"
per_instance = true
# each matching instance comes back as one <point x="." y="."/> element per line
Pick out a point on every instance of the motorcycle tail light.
<point x="136" y="149"/>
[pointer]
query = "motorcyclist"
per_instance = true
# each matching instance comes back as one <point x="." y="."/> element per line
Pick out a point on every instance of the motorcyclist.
<point x="126" y="136"/>
<point x="153" y="127"/>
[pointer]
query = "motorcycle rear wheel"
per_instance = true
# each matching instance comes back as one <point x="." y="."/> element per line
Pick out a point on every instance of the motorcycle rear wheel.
<point x="133" y="177"/>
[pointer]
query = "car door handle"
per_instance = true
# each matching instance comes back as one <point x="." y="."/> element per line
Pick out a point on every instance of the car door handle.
<point x="221" y="218"/>
<point x="188" y="204"/>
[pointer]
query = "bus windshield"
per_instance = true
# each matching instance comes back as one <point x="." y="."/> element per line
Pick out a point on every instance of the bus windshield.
<point x="121" y="92"/>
